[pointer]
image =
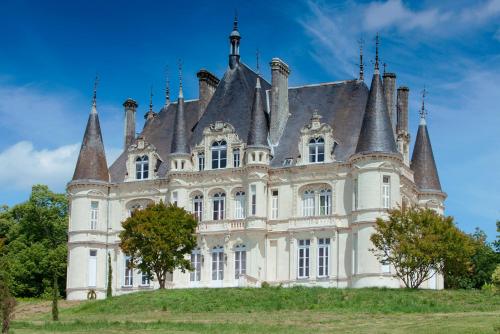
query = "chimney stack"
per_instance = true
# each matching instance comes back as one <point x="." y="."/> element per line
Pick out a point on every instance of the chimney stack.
<point x="279" y="99"/>
<point x="390" y="98"/>
<point x="207" y="83"/>
<point x="403" y="137"/>
<point x="130" y="109"/>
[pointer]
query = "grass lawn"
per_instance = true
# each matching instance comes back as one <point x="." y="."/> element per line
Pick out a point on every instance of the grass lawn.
<point x="270" y="310"/>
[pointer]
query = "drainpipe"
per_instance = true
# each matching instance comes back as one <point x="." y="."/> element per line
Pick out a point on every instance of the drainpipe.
<point x="107" y="238"/>
<point x="337" y="238"/>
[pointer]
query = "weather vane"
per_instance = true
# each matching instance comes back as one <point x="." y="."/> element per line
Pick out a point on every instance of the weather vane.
<point x="423" y="111"/>
<point x="361" y="66"/>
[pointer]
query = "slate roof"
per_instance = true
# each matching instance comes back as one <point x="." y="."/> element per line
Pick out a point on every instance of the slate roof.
<point x="376" y="132"/>
<point x="180" y="137"/>
<point x="422" y="162"/>
<point x="259" y="123"/>
<point x="91" y="164"/>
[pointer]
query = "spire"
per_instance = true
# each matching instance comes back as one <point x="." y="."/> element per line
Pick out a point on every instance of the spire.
<point x="91" y="164"/>
<point x="234" y="44"/>
<point x="361" y="65"/>
<point x="376" y="131"/>
<point x="180" y="140"/>
<point x="257" y="135"/>
<point x="422" y="161"/>
<point x="150" y="114"/>
<point x="167" y="88"/>
<point x="377" y="41"/>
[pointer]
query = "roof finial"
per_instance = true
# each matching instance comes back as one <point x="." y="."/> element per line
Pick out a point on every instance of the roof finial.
<point x="377" y="41"/>
<point x="181" y="95"/>
<point x="423" y="111"/>
<point x="235" y="22"/>
<point x="94" y="98"/>
<point x="257" y="55"/>
<point x="151" y="100"/>
<point x="361" y="66"/>
<point x="385" y="66"/>
<point x="167" y="87"/>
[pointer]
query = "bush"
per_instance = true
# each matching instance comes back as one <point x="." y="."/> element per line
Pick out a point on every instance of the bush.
<point x="495" y="277"/>
<point x="265" y="285"/>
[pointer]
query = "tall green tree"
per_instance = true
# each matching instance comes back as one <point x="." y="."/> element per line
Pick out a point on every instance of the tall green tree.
<point x="418" y="242"/>
<point x="109" y="288"/>
<point x="35" y="237"/>
<point x="158" y="239"/>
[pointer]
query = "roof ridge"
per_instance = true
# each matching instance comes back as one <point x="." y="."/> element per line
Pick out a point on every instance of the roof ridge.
<point x="324" y="84"/>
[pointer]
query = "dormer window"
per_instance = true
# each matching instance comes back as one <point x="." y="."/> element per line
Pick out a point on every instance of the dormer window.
<point x="316" y="149"/>
<point x="201" y="161"/>
<point x="142" y="167"/>
<point x="219" y="154"/>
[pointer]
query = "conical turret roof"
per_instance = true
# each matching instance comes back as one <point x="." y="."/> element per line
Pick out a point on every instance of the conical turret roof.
<point x="91" y="164"/>
<point x="180" y="137"/>
<point x="422" y="161"/>
<point x="257" y="135"/>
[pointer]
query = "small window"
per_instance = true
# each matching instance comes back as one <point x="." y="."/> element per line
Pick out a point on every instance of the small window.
<point x="219" y="201"/>
<point x="145" y="281"/>
<point x="240" y="261"/>
<point x="253" y="190"/>
<point x="386" y="192"/>
<point x="303" y="258"/>
<point x="317" y="150"/>
<point x="201" y="161"/>
<point x="92" y="268"/>
<point x="323" y="257"/>
<point x="287" y="162"/>
<point x="198" y="207"/>
<point x="129" y="272"/>
<point x="94" y="214"/>
<point x="218" y="263"/>
<point x="239" y="205"/>
<point x="274" y="204"/>
<point x="195" y="275"/>
<point x="142" y="167"/>
<point x="219" y="154"/>
<point x="236" y="158"/>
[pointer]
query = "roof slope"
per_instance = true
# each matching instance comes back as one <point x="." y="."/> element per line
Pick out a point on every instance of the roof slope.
<point x="91" y="164"/>
<point x="259" y="126"/>
<point x="422" y="161"/>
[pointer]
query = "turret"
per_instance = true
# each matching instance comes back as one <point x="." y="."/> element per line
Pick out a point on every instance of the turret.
<point x="279" y="99"/>
<point x="179" y="150"/>
<point x="130" y="109"/>
<point x="234" y="45"/>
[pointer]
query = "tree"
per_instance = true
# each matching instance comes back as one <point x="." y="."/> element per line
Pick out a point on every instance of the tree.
<point x="109" y="289"/>
<point x="418" y="242"/>
<point x="7" y="305"/>
<point x="158" y="238"/>
<point x="496" y="243"/>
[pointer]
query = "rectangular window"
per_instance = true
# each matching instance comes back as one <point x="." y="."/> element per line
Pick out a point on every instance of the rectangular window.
<point x="129" y="272"/>
<point x="236" y="158"/>
<point x="253" y="190"/>
<point x="386" y="267"/>
<point x="92" y="268"/>
<point x="218" y="263"/>
<point x="323" y="257"/>
<point x="198" y="207"/>
<point x="325" y="202"/>
<point x="144" y="279"/>
<point x="195" y="275"/>
<point x="386" y="192"/>
<point x="239" y="205"/>
<point x="201" y="161"/>
<point x="303" y="258"/>
<point x="219" y="203"/>
<point x="308" y="203"/>
<point x="175" y="198"/>
<point x="94" y="214"/>
<point x="354" y="253"/>
<point x="240" y="261"/>
<point x="274" y="204"/>
<point x="355" y="194"/>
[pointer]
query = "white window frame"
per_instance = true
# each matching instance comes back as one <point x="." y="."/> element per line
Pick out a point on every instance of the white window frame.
<point x="386" y="191"/>
<point x="308" y="203"/>
<point x="142" y="167"/>
<point x="195" y="275"/>
<point x="201" y="161"/>
<point x="316" y="147"/>
<point x="145" y="281"/>
<point x="218" y="205"/>
<point x="128" y="273"/>
<point x="239" y="205"/>
<point x="218" y="263"/>
<point x="274" y="204"/>
<point x="92" y="268"/>
<point x="325" y="202"/>
<point x="236" y="158"/>
<point x="240" y="261"/>
<point x="219" y="154"/>
<point x="253" y="204"/>
<point x="198" y="207"/>
<point x="94" y="214"/>
<point x="303" y="258"/>
<point x="323" y="257"/>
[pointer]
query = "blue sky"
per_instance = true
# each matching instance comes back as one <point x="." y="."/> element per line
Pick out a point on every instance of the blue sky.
<point x="51" y="51"/>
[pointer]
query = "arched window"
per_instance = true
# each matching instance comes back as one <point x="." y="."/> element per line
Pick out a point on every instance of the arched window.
<point x="219" y="201"/>
<point x="142" y="167"/>
<point x="325" y="200"/>
<point x="317" y="149"/>
<point x="239" y="205"/>
<point x="219" y="154"/>
<point x="198" y="207"/>
<point x="308" y="204"/>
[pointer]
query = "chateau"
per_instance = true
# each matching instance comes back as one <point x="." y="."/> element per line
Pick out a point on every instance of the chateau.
<point x="286" y="182"/>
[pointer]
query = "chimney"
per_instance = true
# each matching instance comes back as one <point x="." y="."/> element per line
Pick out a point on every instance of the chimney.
<point x="130" y="109"/>
<point x="279" y="99"/>
<point x="207" y="85"/>
<point x="402" y="109"/>
<point x="390" y="97"/>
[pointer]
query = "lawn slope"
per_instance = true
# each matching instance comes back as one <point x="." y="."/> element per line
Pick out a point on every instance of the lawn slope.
<point x="277" y="310"/>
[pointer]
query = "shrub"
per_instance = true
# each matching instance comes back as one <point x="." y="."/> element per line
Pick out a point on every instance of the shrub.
<point x="7" y="305"/>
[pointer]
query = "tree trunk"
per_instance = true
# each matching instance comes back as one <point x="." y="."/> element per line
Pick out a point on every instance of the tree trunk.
<point x="55" y="297"/>
<point x="109" y="289"/>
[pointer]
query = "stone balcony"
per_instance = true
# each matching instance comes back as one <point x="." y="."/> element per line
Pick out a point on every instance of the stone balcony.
<point x="227" y="225"/>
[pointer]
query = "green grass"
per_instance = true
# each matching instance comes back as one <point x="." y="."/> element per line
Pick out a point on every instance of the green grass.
<point x="275" y="310"/>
